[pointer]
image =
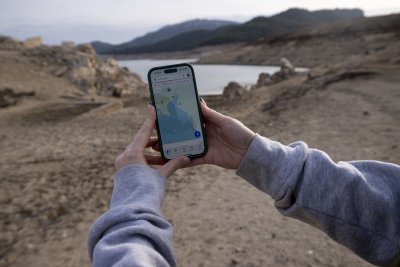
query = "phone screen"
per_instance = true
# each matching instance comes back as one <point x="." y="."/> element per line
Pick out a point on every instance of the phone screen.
<point x="179" y="124"/>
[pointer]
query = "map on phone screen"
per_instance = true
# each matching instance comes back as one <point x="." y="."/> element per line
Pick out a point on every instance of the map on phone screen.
<point x="177" y="112"/>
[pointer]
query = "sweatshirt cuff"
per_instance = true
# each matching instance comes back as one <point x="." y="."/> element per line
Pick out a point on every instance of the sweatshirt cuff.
<point x="138" y="189"/>
<point x="272" y="167"/>
<point x="138" y="184"/>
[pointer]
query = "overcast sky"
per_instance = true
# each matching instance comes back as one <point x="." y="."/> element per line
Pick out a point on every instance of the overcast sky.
<point x="116" y="21"/>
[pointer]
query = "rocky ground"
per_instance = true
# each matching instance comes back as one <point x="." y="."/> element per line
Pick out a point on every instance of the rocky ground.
<point x="58" y="147"/>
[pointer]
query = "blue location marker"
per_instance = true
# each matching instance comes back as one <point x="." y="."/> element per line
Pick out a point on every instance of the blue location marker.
<point x="197" y="133"/>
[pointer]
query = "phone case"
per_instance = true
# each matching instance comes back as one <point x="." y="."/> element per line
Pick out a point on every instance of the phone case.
<point x="198" y="108"/>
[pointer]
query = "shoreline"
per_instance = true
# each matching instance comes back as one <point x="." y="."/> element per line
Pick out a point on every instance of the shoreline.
<point x="211" y="79"/>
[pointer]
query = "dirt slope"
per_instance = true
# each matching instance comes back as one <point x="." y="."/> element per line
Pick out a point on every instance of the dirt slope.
<point x="315" y="46"/>
<point x="56" y="170"/>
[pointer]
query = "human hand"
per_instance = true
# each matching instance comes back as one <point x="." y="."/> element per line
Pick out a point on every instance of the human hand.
<point x="135" y="152"/>
<point x="227" y="138"/>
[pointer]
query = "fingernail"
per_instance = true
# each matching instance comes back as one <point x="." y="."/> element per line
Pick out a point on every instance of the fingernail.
<point x="149" y="106"/>
<point x="186" y="160"/>
<point x="204" y="102"/>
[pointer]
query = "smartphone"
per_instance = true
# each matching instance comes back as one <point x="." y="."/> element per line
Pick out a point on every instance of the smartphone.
<point x="179" y="122"/>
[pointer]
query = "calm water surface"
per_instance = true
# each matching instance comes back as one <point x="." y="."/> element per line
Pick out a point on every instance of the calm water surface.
<point x="211" y="79"/>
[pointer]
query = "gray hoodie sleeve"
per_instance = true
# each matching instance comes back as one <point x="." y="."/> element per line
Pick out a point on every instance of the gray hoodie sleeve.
<point x="356" y="203"/>
<point x="133" y="231"/>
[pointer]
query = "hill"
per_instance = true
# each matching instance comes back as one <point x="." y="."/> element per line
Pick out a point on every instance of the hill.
<point x="101" y="47"/>
<point x="288" y="21"/>
<point x="164" y="33"/>
<point x="259" y="27"/>
<point x="320" y="44"/>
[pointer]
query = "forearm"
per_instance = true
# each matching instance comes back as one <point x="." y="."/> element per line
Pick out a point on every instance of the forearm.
<point x="133" y="230"/>
<point x="355" y="203"/>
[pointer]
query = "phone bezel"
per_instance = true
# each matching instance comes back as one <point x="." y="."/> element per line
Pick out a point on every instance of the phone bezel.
<point x="197" y="102"/>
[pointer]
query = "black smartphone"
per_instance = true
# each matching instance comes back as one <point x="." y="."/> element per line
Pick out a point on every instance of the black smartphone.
<point x="180" y="127"/>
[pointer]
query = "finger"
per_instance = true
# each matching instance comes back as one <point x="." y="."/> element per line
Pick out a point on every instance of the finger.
<point x="211" y="114"/>
<point x="153" y="140"/>
<point x="154" y="160"/>
<point x="145" y="130"/>
<point x="171" y="166"/>
<point x="203" y="101"/>
<point x="196" y="162"/>
<point x="156" y="147"/>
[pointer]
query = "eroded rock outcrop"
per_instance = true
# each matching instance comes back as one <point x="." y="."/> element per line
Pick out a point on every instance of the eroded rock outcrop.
<point x="8" y="43"/>
<point x="286" y="71"/>
<point x="33" y="42"/>
<point x="264" y="79"/>
<point x="233" y="90"/>
<point x="93" y="75"/>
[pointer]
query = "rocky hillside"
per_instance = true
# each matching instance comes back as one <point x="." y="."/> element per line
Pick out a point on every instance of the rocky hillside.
<point x="287" y="21"/>
<point x="91" y="75"/>
<point x="83" y="68"/>
<point x="314" y="46"/>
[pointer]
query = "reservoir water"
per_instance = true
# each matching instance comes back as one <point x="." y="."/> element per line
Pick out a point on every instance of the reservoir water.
<point x="211" y="79"/>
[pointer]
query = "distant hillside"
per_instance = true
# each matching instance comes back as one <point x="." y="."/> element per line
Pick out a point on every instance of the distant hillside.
<point x="290" y="20"/>
<point x="180" y="42"/>
<point x="164" y="33"/>
<point x="318" y="45"/>
<point x="259" y="27"/>
<point x="365" y="25"/>
<point x="101" y="47"/>
<point x="176" y="29"/>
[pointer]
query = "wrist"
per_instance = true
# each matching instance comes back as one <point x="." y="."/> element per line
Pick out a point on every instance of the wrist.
<point x="137" y="181"/>
<point x="245" y="147"/>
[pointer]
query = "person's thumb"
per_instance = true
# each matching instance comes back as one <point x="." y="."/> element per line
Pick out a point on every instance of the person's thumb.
<point x="174" y="164"/>
<point x="211" y="114"/>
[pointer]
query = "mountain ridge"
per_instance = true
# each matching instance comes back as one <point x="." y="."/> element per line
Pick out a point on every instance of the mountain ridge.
<point x="284" y="22"/>
<point x="163" y="33"/>
<point x="250" y="31"/>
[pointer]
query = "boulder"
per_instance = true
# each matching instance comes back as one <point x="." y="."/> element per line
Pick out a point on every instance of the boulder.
<point x="84" y="77"/>
<point x="286" y="65"/>
<point x="286" y="71"/>
<point x="87" y="49"/>
<point x="109" y="67"/>
<point x="233" y="90"/>
<point x="264" y="79"/>
<point x="68" y="44"/>
<point x="33" y="42"/>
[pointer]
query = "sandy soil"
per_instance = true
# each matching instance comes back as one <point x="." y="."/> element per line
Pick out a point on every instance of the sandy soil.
<point x="56" y="168"/>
